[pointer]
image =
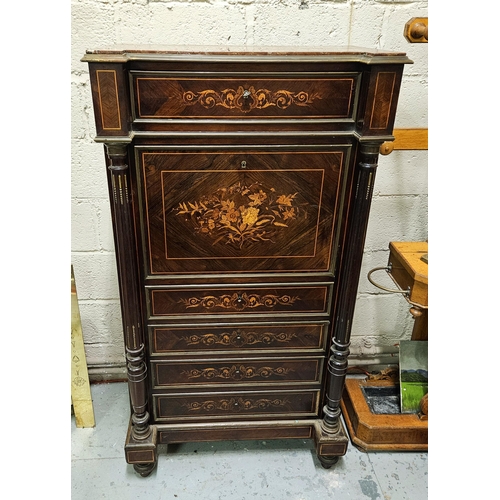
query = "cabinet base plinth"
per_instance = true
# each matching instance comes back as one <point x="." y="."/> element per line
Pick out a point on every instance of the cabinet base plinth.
<point x="330" y="447"/>
<point x="142" y="454"/>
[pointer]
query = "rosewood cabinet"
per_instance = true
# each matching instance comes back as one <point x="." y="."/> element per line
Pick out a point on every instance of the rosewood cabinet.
<point x="240" y="184"/>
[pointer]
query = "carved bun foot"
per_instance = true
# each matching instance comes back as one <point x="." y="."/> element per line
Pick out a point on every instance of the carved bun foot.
<point x="327" y="462"/>
<point x="144" y="469"/>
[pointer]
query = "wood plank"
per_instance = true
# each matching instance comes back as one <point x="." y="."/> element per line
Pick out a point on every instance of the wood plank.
<point x="406" y="139"/>
<point x="80" y="385"/>
<point x="411" y="138"/>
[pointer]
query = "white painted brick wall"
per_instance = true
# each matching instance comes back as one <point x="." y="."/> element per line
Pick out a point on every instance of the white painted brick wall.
<point x="399" y="207"/>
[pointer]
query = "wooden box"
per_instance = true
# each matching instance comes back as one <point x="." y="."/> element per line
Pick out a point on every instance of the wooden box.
<point x="409" y="270"/>
<point x="378" y="432"/>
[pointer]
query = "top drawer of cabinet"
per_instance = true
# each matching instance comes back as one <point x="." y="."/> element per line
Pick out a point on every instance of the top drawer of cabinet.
<point x="162" y="95"/>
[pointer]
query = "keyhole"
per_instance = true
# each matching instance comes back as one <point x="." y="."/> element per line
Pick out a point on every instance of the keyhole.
<point x="243" y="164"/>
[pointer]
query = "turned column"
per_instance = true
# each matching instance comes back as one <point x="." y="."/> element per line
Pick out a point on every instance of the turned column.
<point x="347" y="282"/>
<point x="120" y="195"/>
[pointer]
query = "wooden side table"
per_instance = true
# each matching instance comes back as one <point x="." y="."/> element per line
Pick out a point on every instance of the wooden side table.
<point x="407" y="266"/>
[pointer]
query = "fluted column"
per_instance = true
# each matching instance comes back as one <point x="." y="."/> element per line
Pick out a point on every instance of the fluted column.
<point x="129" y="286"/>
<point x="347" y="282"/>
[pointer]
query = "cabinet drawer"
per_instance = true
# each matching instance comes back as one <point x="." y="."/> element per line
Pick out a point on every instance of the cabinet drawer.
<point x="163" y="96"/>
<point x="237" y="405"/>
<point x="236" y="372"/>
<point x="166" y="340"/>
<point x="238" y="301"/>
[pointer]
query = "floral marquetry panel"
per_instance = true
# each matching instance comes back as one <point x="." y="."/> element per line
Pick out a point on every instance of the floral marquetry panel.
<point x="241" y="212"/>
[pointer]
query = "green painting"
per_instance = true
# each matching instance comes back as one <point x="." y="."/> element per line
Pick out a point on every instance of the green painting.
<point x="413" y="361"/>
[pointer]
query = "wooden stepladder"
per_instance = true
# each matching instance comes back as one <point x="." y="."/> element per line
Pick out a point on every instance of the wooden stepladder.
<point x="81" y="397"/>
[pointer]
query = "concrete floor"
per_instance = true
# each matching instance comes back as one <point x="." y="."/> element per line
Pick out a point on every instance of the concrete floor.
<point x="244" y="470"/>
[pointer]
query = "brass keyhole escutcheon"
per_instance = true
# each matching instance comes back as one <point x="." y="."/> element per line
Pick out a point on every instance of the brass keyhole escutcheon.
<point x="246" y="103"/>
<point x="243" y="164"/>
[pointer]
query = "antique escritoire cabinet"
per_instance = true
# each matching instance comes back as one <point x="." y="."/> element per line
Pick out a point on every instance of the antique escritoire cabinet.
<point x="240" y="183"/>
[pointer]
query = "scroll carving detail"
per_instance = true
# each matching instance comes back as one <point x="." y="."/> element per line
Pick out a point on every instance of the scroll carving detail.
<point x="236" y="372"/>
<point x="238" y="302"/>
<point x="235" y="404"/>
<point x="248" y="99"/>
<point x="238" y="338"/>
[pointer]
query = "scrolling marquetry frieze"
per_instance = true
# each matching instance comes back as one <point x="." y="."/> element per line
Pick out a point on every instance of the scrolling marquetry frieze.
<point x="235" y="404"/>
<point x="238" y="301"/>
<point x="169" y="97"/>
<point x="248" y="99"/>
<point x="239" y="338"/>
<point x="242" y="214"/>
<point x="235" y="372"/>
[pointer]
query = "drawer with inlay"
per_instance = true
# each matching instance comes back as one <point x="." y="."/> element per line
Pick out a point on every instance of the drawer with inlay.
<point x="237" y="371"/>
<point x="166" y="340"/>
<point x="239" y="405"/>
<point x="163" y="96"/>
<point x="238" y="300"/>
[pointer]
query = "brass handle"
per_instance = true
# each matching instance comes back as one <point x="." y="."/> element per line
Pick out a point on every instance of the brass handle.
<point x="388" y="269"/>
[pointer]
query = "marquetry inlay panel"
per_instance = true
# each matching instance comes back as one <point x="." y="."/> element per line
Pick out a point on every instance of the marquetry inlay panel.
<point x="168" y="97"/>
<point x="382" y="102"/>
<point x="236" y="405"/>
<point x="228" y="211"/>
<point x="199" y="339"/>
<point x="165" y="302"/>
<point x="108" y="99"/>
<point x="170" y="374"/>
